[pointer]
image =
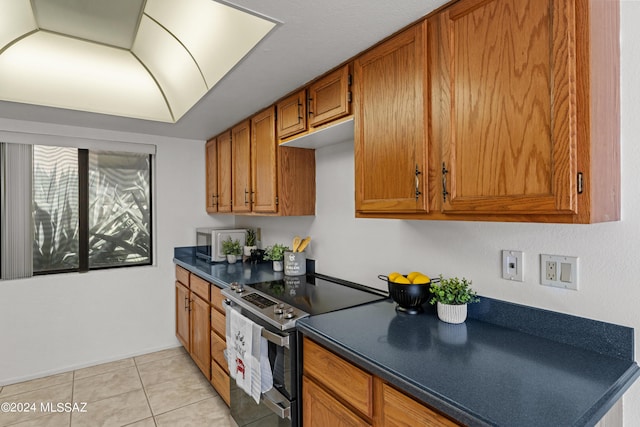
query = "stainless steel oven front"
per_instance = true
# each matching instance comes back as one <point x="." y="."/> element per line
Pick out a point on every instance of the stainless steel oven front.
<point x="278" y="407"/>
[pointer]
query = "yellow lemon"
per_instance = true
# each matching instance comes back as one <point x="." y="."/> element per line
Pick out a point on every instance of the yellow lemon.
<point x="421" y="279"/>
<point x="413" y="275"/>
<point x="401" y="279"/>
<point x="393" y="275"/>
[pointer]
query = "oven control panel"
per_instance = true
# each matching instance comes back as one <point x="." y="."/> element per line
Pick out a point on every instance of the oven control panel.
<point x="265" y="307"/>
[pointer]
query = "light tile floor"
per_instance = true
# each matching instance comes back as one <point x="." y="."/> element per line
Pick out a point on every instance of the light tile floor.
<point x="157" y="389"/>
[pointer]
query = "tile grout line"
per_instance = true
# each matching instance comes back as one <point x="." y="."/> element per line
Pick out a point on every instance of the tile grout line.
<point x="73" y="389"/>
<point x="144" y="390"/>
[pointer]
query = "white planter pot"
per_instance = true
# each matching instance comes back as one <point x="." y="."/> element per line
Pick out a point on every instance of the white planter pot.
<point x="248" y="249"/>
<point x="278" y="266"/>
<point x="231" y="259"/>
<point x="452" y="313"/>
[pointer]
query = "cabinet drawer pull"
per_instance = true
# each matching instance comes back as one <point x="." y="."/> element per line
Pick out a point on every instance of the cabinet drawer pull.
<point x="444" y="182"/>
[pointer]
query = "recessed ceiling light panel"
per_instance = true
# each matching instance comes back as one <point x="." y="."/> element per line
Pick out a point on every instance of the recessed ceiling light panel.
<point x="112" y="22"/>
<point x="171" y="65"/>
<point x="16" y="20"/>
<point x="217" y="36"/>
<point x="58" y="71"/>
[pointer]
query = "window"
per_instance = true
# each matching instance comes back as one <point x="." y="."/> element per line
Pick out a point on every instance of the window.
<point x="90" y="209"/>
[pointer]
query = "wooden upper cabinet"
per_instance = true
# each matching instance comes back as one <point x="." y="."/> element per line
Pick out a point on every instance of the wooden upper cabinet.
<point x="292" y="114"/>
<point x="505" y="76"/>
<point x="224" y="172"/>
<point x="264" y="162"/>
<point x="526" y="107"/>
<point x="241" y="167"/>
<point x="211" y="168"/>
<point x="390" y="104"/>
<point x="330" y="97"/>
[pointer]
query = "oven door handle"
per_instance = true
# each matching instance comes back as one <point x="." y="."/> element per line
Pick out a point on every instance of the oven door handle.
<point x="279" y="404"/>
<point x="278" y="340"/>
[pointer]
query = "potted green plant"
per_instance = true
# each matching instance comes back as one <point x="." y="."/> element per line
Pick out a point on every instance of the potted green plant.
<point x="275" y="253"/>
<point x="231" y="248"/>
<point x="452" y="296"/>
<point x="250" y="242"/>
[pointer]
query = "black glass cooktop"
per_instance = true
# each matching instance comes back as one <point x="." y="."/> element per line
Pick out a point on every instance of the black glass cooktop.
<point x="316" y="295"/>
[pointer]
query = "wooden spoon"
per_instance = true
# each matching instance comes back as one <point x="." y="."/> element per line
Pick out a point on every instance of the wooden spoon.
<point x="303" y="245"/>
<point x="296" y="243"/>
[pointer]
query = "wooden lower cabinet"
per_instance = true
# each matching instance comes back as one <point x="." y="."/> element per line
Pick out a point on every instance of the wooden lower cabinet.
<point x="399" y="409"/>
<point x="200" y="327"/>
<point x="321" y="409"/>
<point x="219" y="368"/>
<point x="336" y="392"/>
<point x="200" y="333"/>
<point x="182" y="314"/>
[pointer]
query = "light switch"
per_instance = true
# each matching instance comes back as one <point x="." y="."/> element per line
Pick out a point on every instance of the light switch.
<point x="565" y="272"/>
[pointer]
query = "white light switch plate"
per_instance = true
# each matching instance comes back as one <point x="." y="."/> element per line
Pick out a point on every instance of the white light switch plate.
<point x="559" y="271"/>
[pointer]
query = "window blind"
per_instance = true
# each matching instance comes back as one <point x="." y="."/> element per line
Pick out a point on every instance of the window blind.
<point x="16" y="234"/>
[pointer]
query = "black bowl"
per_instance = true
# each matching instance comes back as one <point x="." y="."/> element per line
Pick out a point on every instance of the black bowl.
<point x="409" y="297"/>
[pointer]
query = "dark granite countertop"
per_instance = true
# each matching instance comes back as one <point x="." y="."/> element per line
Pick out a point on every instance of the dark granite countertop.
<point x="223" y="274"/>
<point x="483" y="373"/>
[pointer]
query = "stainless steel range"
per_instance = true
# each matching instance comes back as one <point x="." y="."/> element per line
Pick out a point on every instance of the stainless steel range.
<point x="276" y="306"/>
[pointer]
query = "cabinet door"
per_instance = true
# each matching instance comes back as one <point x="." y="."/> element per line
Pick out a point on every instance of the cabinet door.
<point x="292" y="115"/>
<point x="182" y="314"/>
<point x="241" y="169"/>
<point x="200" y="334"/>
<point x="329" y="97"/>
<point x="263" y="162"/>
<point x="211" y="165"/>
<point x="505" y="76"/>
<point x="224" y="172"/>
<point x="402" y="411"/>
<point x="390" y="135"/>
<point x="321" y="409"/>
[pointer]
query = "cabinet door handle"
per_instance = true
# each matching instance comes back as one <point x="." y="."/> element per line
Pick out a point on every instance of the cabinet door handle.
<point x="300" y="118"/>
<point x="444" y="182"/>
<point x="253" y="197"/>
<point x="418" y="192"/>
<point x="186" y="303"/>
<point x="246" y="193"/>
<point x="309" y="111"/>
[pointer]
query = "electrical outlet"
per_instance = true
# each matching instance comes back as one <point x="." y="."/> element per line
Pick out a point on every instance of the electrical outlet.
<point x="512" y="265"/>
<point x="559" y="271"/>
<point x="551" y="270"/>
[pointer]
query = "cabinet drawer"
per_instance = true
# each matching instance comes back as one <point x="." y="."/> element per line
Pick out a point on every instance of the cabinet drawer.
<point x="200" y="287"/>
<point x="182" y="275"/>
<point x="348" y="382"/>
<point x="402" y="410"/>
<point x="217" y="351"/>
<point x="221" y="382"/>
<point x="218" y="322"/>
<point x="217" y="298"/>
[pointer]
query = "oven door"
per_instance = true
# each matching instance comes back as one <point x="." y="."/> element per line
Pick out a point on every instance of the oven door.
<point x="277" y="406"/>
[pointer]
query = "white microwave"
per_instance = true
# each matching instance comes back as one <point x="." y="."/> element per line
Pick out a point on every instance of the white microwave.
<point x="209" y="242"/>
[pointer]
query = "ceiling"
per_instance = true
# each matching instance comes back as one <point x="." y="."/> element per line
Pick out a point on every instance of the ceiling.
<point x="313" y="37"/>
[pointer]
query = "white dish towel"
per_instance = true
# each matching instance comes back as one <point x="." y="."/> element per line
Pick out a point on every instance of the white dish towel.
<point x="247" y="353"/>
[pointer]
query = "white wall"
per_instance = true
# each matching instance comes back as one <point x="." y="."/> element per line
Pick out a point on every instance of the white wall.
<point x="55" y="323"/>
<point x="609" y="288"/>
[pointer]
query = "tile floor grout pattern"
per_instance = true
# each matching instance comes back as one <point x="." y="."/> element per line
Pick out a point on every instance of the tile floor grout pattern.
<point x="161" y="389"/>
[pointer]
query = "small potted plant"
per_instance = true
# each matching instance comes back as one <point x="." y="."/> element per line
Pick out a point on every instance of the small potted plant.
<point x="250" y="242"/>
<point x="231" y="248"/>
<point x="275" y="253"/>
<point x="452" y="296"/>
